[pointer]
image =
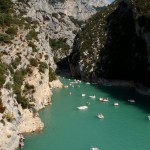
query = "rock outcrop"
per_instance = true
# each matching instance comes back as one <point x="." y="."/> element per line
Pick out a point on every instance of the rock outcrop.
<point x="80" y="9"/>
<point x="30" y="122"/>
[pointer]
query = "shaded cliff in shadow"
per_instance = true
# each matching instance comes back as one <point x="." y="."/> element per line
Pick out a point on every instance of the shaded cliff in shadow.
<point x="114" y="44"/>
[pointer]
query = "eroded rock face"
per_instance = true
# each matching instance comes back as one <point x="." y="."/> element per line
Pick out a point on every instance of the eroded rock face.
<point x="30" y="122"/>
<point x="80" y="9"/>
<point x="63" y="19"/>
<point x="56" y="84"/>
<point x="9" y="136"/>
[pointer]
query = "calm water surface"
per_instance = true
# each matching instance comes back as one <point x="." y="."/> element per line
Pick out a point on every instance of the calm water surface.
<point x="125" y="127"/>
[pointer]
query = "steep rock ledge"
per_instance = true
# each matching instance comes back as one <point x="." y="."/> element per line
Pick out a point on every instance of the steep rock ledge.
<point x="26" y="70"/>
<point x="29" y="122"/>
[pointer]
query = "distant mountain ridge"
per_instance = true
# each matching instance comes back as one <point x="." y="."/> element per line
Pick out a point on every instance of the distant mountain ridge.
<point x="79" y="9"/>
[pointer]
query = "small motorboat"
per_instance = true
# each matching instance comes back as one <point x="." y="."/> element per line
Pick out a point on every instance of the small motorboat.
<point x="65" y="86"/>
<point x="82" y="107"/>
<point x="83" y="94"/>
<point x="87" y="82"/>
<point x="93" y="96"/>
<point x="148" y="117"/>
<point x="131" y="100"/>
<point x="94" y="148"/>
<point x="100" y="116"/>
<point x="103" y="99"/>
<point x="116" y="104"/>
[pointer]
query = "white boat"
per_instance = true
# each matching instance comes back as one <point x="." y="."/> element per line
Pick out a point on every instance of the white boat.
<point x="131" y="100"/>
<point x="116" y="104"/>
<point x="83" y="94"/>
<point x="65" y="86"/>
<point x="148" y="117"/>
<point x="82" y="107"/>
<point x="94" y="148"/>
<point x="100" y="116"/>
<point x="87" y="82"/>
<point x="92" y="96"/>
<point x="103" y="99"/>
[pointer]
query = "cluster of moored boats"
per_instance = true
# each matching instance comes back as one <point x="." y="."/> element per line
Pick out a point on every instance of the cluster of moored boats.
<point x="101" y="99"/>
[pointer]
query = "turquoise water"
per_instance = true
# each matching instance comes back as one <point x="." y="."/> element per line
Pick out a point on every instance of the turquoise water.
<point x="125" y="127"/>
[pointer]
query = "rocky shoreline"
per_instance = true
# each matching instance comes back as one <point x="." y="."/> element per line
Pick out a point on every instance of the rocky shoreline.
<point x="30" y="121"/>
<point x="27" y="122"/>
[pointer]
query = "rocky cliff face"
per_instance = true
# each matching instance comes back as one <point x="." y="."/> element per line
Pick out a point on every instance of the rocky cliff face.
<point x="62" y="20"/>
<point x="114" y="43"/>
<point x="79" y="9"/>
<point x="26" y="70"/>
<point x="33" y="36"/>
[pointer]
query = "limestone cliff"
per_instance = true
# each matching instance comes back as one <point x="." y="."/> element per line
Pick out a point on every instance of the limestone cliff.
<point x="34" y="35"/>
<point x="62" y="19"/>
<point x="79" y="9"/>
<point x="26" y="70"/>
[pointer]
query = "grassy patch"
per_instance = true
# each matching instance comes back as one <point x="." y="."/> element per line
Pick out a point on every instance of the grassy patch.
<point x="32" y="35"/>
<point x="3" y="71"/>
<point x="34" y="62"/>
<point x="42" y="67"/>
<point x="5" y="38"/>
<point x="34" y="47"/>
<point x="52" y="75"/>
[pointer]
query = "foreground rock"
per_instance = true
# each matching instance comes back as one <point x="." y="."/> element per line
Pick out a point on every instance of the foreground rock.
<point x="30" y="122"/>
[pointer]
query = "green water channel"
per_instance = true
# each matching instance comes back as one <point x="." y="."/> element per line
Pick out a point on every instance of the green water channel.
<point x="125" y="127"/>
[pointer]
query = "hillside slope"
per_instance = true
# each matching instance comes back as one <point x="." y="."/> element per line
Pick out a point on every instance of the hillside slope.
<point x="114" y="44"/>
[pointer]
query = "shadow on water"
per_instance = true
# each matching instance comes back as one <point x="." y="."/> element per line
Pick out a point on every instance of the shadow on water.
<point x="126" y="93"/>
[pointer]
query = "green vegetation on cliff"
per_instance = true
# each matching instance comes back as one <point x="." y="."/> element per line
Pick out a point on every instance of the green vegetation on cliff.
<point x="59" y="47"/>
<point x="3" y="71"/>
<point x="91" y="39"/>
<point x="113" y="43"/>
<point x="52" y="2"/>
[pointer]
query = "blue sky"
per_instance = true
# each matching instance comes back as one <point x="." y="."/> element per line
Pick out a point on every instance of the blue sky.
<point x="111" y="0"/>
